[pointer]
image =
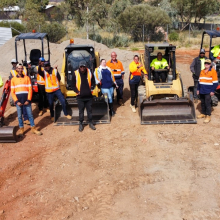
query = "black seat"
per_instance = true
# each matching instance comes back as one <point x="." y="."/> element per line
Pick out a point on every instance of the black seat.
<point x="35" y="54"/>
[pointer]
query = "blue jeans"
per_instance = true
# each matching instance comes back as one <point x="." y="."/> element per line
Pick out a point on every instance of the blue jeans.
<point x="29" y="113"/>
<point x="59" y="95"/>
<point x="25" y="115"/>
<point x="109" y="92"/>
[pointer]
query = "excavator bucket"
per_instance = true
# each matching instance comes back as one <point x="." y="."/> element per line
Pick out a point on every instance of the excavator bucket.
<point x="167" y="111"/>
<point x="100" y="112"/>
<point x="8" y="134"/>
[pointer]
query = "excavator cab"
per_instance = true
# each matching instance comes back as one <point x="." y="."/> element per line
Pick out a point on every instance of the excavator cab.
<point x="73" y="55"/>
<point x="164" y="102"/>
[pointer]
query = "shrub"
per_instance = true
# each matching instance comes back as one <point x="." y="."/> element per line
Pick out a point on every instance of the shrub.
<point x="173" y="36"/>
<point x="15" y="25"/>
<point x="95" y="37"/>
<point x="55" y="31"/>
<point x="157" y="36"/>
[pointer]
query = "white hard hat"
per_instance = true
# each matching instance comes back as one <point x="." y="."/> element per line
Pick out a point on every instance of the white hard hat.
<point x="13" y="61"/>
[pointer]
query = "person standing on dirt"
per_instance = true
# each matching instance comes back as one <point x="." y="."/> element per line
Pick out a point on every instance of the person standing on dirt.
<point x="83" y="84"/>
<point x="43" y="102"/>
<point x="13" y="73"/>
<point x="118" y="70"/>
<point x="157" y="64"/>
<point x="136" y="70"/>
<point x="105" y="80"/>
<point x="196" y="67"/>
<point x="21" y="91"/>
<point x="52" y="87"/>
<point x="208" y="82"/>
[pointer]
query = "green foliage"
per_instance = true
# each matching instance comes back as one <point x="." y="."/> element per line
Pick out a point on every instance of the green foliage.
<point x="7" y="3"/>
<point x="55" y="31"/>
<point x="157" y="36"/>
<point x="135" y="17"/>
<point x="173" y="36"/>
<point x="134" y="49"/>
<point x="15" y="25"/>
<point x="95" y="37"/>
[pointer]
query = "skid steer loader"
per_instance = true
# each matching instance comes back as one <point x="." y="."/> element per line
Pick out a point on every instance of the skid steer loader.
<point x="72" y="56"/>
<point x="167" y="102"/>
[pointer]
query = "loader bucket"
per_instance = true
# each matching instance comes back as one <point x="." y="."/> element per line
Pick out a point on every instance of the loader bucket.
<point x="100" y="112"/>
<point x="167" y="111"/>
<point x="7" y="134"/>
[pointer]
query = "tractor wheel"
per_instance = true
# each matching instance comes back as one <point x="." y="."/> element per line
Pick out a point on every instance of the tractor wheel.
<point x="214" y="99"/>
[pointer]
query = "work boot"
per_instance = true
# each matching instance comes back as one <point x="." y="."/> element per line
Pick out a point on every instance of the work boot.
<point x="40" y="113"/>
<point x="92" y="126"/>
<point x="207" y="119"/>
<point x="120" y="102"/>
<point x="112" y="112"/>
<point x="133" y="108"/>
<point x="21" y="132"/>
<point x="81" y="127"/>
<point x="35" y="131"/>
<point x="201" y="116"/>
<point x="52" y="119"/>
<point x="68" y="117"/>
<point x="27" y="122"/>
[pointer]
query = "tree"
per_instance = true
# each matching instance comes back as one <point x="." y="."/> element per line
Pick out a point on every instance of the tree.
<point x="8" y="3"/>
<point x="135" y="17"/>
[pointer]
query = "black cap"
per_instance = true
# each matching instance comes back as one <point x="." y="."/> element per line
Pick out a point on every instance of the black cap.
<point x="82" y="63"/>
<point x="202" y="51"/>
<point x="46" y="63"/>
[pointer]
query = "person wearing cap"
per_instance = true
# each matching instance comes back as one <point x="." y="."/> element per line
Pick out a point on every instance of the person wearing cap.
<point x="196" y="67"/>
<point x="208" y="82"/>
<point x="52" y="87"/>
<point x="83" y="83"/>
<point x="118" y="70"/>
<point x="43" y="102"/>
<point x="136" y="70"/>
<point x="159" y="63"/>
<point x="105" y="80"/>
<point x="13" y="73"/>
<point x="21" y="91"/>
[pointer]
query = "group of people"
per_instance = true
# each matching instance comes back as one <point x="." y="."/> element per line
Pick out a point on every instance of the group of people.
<point x="205" y="82"/>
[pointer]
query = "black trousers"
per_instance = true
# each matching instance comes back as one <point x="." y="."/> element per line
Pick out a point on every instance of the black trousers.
<point x="157" y="76"/>
<point x="82" y="104"/>
<point x="43" y="102"/>
<point x="134" y="92"/>
<point x="196" y="82"/>
<point x="206" y="104"/>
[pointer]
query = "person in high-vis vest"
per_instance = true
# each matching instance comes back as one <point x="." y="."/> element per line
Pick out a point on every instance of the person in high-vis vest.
<point x="215" y="53"/>
<point x="14" y="73"/>
<point x="83" y="83"/>
<point x="159" y="63"/>
<point x="52" y="87"/>
<point x="21" y="91"/>
<point x="136" y="70"/>
<point x="105" y="80"/>
<point x="118" y="70"/>
<point x="43" y="102"/>
<point x="208" y="82"/>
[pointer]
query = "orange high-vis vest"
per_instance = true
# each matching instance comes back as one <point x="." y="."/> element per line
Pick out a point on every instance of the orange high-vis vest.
<point x="14" y="72"/>
<point x="21" y="85"/>
<point x="40" y="79"/>
<point x="51" y="82"/>
<point x="78" y="79"/>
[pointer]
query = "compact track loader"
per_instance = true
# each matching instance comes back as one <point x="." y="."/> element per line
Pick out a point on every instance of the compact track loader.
<point x="72" y="56"/>
<point x="164" y="102"/>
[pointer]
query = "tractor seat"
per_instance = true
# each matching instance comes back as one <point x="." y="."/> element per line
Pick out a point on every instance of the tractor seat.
<point x="35" y="54"/>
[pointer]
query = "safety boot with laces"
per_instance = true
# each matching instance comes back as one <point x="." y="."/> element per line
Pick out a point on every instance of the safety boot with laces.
<point x="21" y="132"/>
<point x="201" y="116"/>
<point x="35" y="131"/>
<point x="207" y="119"/>
<point x="133" y="108"/>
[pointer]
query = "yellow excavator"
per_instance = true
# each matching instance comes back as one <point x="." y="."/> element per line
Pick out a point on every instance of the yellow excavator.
<point x="164" y="102"/>
<point x="72" y="56"/>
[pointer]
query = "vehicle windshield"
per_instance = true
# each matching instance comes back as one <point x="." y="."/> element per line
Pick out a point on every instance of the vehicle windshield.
<point x="76" y="56"/>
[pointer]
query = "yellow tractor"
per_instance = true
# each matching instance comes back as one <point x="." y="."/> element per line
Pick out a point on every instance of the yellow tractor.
<point x="72" y="56"/>
<point x="164" y="102"/>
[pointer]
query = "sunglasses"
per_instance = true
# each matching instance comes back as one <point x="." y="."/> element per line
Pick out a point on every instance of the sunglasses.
<point x="207" y="63"/>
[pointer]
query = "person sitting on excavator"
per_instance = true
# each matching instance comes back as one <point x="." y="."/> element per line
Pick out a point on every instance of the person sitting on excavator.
<point x="215" y="53"/>
<point x="159" y="63"/>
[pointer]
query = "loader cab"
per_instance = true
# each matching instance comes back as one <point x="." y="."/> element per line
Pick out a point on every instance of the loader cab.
<point x="74" y="55"/>
<point x="211" y="38"/>
<point x="168" y="53"/>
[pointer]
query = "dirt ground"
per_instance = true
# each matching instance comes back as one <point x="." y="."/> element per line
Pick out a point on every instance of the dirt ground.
<point x="121" y="171"/>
